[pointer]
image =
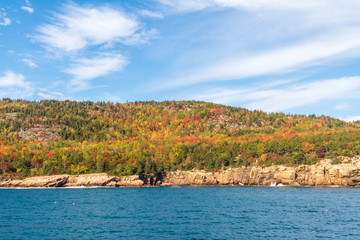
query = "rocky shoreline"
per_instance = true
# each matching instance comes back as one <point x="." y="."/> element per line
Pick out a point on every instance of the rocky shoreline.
<point x="346" y="174"/>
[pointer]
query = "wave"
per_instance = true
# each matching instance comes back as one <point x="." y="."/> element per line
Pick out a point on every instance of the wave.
<point x="275" y="184"/>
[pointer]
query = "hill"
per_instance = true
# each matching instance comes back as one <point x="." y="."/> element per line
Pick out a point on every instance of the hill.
<point x="68" y="137"/>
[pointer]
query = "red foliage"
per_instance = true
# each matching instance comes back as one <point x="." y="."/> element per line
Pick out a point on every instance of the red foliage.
<point x="186" y="120"/>
<point x="273" y="156"/>
<point x="349" y="145"/>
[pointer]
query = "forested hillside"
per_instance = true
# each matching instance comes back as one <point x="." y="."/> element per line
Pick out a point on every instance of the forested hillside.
<point x="55" y="137"/>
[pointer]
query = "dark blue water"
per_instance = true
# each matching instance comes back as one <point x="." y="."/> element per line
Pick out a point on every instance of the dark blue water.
<point x="180" y="213"/>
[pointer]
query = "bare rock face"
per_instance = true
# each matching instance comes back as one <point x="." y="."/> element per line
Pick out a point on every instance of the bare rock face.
<point x="181" y="178"/>
<point x="96" y="179"/>
<point x="86" y="180"/>
<point x="127" y="181"/>
<point x="42" y="181"/>
<point x="320" y="174"/>
<point x="40" y="133"/>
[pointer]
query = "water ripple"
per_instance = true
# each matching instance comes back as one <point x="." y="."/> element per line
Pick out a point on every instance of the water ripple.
<point x="180" y="213"/>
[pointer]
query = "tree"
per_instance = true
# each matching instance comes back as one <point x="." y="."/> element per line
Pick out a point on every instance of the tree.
<point x="307" y="147"/>
<point x="320" y="152"/>
<point x="299" y="158"/>
<point x="4" y="166"/>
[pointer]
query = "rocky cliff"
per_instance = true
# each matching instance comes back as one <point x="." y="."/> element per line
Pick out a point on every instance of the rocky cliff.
<point x="86" y="180"/>
<point x="321" y="174"/>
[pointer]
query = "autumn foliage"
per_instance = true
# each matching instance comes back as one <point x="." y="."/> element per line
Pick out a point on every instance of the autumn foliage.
<point x="56" y="137"/>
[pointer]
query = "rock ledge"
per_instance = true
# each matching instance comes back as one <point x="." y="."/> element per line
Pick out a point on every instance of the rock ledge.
<point x="321" y="174"/>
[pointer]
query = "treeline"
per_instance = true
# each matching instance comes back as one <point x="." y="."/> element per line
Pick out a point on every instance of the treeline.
<point x="152" y="137"/>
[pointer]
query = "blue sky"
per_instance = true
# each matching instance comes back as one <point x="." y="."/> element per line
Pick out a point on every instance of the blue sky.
<point x="278" y="56"/>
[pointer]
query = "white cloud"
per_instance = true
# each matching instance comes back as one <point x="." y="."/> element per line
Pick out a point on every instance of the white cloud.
<point x="16" y="93"/>
<point x="48" y="94"/>
<point x="141" y="37"/>
<point x="112" y="98"/>
<point x="351" y="118"/>
<point x="308" y="94"/>
<point x="79" y="27"/>
<point x="91" y="29"/>
<point x="28" y="9"/>
<point x="191" y="5"/>
<point x="11" y="79"/>
<point x="277" y="61"/>
<point x="267" y="4"/>
<point x="13" y="85"/>
<point x="152" y="14"/>
<point x="197" y="5"/>
<point x="270" y="37"/>
<point x="30" y="63"/>
<point x="85" y="69"/>
<point x="4" y="21"/>
<point x="284" y="98"/>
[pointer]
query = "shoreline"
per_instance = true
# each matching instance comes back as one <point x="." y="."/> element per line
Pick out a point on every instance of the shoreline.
<point x="185" y="186"/>
<point x="322" y="174"/>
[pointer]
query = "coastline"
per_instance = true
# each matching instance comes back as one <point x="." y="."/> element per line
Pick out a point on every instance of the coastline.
<point x="322" y="174"/>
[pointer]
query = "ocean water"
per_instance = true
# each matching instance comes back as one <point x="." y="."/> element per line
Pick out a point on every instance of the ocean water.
<point x="180" y="213"/>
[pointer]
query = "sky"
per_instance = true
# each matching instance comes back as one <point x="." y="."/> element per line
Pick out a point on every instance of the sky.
<point x="298" y="57"/>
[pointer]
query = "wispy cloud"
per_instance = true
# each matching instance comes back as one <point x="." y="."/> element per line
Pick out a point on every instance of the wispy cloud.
<point x="197" y="5"/>
<point x="13" y="85"/>
<point x="50" y="94"/>
<point x="192" y="5"/>
<point x="29" y="63"/>
<point x="141" y="37"/>
<point x="4" y="21"/>
<point x="78" y="27"/>
<point x="276" y="61"/>
<point x="284" y="97"/>
<point x="326" y="31"/>
<point x="85" y="69"/>
<point x="148" y="13"/>
<point x="28" y="7"/>
<point x="112" y="98"/>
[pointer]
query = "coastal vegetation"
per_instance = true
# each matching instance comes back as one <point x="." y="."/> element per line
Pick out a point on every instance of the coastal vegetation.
<point x="68" y="137"/>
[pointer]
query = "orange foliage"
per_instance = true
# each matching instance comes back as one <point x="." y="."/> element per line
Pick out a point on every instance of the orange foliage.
<point x="307" y="147"/>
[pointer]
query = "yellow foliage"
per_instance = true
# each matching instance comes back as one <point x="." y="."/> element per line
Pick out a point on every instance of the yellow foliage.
<point x="261" y="149"/>
<point x="307" y="147"/>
